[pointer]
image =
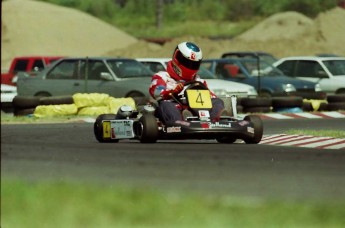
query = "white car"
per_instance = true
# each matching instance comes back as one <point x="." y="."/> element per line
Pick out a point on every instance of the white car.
<point x="329" y="72"/>
<point x="221" y="88"/>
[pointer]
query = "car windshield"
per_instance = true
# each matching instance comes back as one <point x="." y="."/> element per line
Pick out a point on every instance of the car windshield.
<point x="336" y="67"/>
<point x="203" y="73"/>
<point x="206" y="74"/>
<point x="266" y="69"/>
<point x="126" y="68"/>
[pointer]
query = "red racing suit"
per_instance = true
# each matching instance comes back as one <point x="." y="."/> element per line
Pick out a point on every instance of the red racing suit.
<point x="163" y="84"/>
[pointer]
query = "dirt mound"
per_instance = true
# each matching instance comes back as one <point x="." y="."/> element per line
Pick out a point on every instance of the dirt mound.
<point x="282" y="34"/>
<point x="331" y="28"/>
<point x="287" y="25"/>
<point x="37" y="28"/>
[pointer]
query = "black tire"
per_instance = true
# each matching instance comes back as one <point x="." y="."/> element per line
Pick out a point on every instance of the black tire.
<point x="336" y="98"/>
<point x="265" y="94"/>
<point x="7" y="107"/>
<point x="287" y="102"/>
<point x="147" y="129"/>
<point x="56" y="100"/>
<point x="226" y="140"/>
<point x="98" y="128"/>
<point x="43" y="94"/>
<point x="23" y="102"/>
<point x="307" y="107"/>
<point x="23" y="112"/>
<point x="247" y="102"/>
<point x="258" y="129"/>
<point x="257" y="110"/>
<point x="323" y="106"/>
<point x="336" y="106"/>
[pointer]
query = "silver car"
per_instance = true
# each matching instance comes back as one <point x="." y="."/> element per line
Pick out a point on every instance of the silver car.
<point x="118" y="77"/>
<point x="221" y="88"/>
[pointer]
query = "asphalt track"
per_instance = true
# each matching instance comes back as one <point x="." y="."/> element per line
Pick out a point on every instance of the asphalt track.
<point x="69" y="152"/>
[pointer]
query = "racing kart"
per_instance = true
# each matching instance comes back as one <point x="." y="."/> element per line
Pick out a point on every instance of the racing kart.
<point x="147" y="127"/>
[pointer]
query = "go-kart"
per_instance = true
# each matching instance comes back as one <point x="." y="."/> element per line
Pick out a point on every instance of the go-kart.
<point x="147" y="127"/>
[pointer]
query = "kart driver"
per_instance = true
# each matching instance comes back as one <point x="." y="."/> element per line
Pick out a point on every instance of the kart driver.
<point x="182" y="68"/>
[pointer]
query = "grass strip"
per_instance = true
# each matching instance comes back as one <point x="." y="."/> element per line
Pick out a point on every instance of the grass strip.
<point x="321" y="133"/>
<point x="61" y="204"/>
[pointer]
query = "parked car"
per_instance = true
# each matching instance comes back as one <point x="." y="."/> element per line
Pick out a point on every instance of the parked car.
<point x="250" y="54"/>
<point x="219" y="87"/>
<point x="118" y="77"/>
<point x="268" y="80"/>
<point x="29" y="64"/>
<point x="329" y="72"/>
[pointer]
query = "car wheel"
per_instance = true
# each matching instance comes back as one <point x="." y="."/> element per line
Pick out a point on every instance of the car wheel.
<point x="258" y="129"/>
<point x="264" y="94"/>
<point x="43" y="94"/>
<point x="147" y="129"/>
<point x="98" y="128"/>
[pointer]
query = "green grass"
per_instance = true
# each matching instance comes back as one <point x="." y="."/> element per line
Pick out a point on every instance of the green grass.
<point x="57" y="204"/>
<point x="326" y="133"/>
<point x="194" y="28"/>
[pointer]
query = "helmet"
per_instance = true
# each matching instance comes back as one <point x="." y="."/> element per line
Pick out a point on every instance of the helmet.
<point x="186" y="61"/>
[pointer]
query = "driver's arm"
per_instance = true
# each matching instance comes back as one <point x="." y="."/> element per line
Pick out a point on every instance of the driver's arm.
<point x="159" y="89"/>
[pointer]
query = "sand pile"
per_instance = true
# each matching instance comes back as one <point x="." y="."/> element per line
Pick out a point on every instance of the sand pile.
<point x="37" y="28"/>
<point x="287" y="25"/>
<point x="283" y="34"/>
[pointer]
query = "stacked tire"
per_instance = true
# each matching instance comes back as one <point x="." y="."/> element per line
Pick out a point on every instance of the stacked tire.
<point x="256" y="105"/>
<point x="23" y="105"/>
<point x="287" y="104"/>
<point x="336" y="102"/>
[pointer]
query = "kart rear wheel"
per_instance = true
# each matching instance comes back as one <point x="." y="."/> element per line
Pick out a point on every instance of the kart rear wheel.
<point x="147" y="131"/>
<point x="258" y="129"/>
<point x="98" y="128"/>
<point x="226" y="140"/>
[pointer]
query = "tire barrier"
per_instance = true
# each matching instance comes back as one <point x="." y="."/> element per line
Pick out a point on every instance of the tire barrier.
<point x="336" y="102"/>
<point x="254" y="105"/>
<point x="287" y="104"/>
<point x="96" y="104"/>
<point x="57" y="100"/>
<point x="23" y="105"/>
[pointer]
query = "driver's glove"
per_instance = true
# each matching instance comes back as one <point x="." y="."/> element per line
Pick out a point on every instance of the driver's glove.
<point x="178" y="88"/>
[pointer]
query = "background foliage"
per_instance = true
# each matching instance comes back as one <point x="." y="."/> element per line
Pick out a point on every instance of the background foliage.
<point x="139" y="17"/>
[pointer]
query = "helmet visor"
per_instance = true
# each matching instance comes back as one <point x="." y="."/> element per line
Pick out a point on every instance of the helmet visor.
<point x="190" y="64"/>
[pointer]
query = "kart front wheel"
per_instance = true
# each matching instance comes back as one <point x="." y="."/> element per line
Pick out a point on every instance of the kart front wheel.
<point x="258" y="129"/>
<point x="98" y="128"/>
<point x="147" y="130"/>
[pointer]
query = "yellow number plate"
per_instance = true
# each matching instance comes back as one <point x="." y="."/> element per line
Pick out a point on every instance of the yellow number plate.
<point x="106" y="129"/>
<point x="199" y="99"/>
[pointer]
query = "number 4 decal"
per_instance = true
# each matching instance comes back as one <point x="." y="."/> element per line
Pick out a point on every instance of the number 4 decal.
<point x="199" y="99"/>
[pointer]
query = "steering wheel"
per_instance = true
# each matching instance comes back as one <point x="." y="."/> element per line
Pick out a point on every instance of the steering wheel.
<point x="195" y="85"/>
